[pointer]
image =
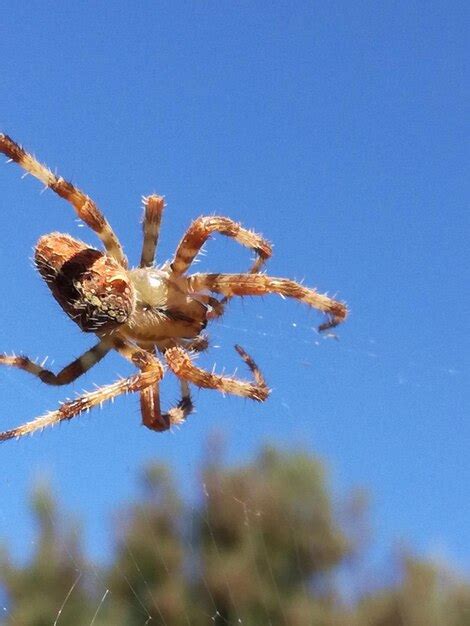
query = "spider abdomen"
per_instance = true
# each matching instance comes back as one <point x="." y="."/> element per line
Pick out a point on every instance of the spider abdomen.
<point x="90" y="286"/>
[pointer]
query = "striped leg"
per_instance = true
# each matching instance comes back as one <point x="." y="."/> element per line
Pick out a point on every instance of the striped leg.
<point x="87" y="401"/>
<point x="68" y="374"/>
<point x="180" y="363"/>
<point x="198" y="344"/>
<point x="202" y="228"/>
<point x="215" y="308"/>
<point x="85" y="208"/>
<point x="260" y="285"/>
<point x="152" y="417"/>
<point x="153" y="209"/>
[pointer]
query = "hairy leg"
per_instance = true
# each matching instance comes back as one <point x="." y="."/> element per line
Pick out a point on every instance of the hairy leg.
<point x="153" y="209"/>
<point x="215" y="308"/>
<point x="203" y="227"/>
<point x="260" y="285"/>
<point x="68" y="374"/>
<point x="180" y="363"/>
<point x="198" y="344"/>
<point x="87" y="401"/>
<point x="152" y="417"/>
<point x="84" y="206"/>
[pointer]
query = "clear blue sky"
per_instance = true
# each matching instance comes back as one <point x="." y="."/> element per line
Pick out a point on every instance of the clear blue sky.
<point x="337" y="130"/>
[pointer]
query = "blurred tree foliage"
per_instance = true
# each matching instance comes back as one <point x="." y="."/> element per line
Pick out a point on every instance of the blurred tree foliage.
<point x="267" y="544"/>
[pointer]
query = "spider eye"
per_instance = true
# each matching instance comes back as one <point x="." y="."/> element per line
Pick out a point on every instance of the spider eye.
<point x="90" y="286"/>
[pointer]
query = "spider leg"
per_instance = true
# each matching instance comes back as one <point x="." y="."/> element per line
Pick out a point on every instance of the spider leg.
<point x="149" y="376"/>
<point x="260" y="285"/>
<point x="153" y="209"/>
<point x="202" y="228"/>
<point x="180" y="363"/>
<point x="66" y="375"/>
<point x="152" y="417"/>
<point x="84" y="206"/>
<point x="215" y="308"/>
<point x="198" y="344"/>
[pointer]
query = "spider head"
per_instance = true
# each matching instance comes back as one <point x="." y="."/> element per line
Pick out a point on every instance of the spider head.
<point x="91" y="287"/>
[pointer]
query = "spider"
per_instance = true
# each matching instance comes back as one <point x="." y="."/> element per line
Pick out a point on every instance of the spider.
<point x="145" y="311"/>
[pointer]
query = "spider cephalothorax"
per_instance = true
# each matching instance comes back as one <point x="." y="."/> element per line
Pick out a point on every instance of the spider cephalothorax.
<point x="147" y="310"/>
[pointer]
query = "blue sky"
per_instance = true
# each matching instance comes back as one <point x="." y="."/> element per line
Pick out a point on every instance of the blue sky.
<point x="336" y="130"/>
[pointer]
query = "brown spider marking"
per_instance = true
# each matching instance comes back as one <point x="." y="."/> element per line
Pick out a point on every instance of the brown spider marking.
<point x="147" y="310"/>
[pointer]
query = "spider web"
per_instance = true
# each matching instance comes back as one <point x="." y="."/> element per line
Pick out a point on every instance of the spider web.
<point x="298" y="334"/>
<point x="289" y="349"/>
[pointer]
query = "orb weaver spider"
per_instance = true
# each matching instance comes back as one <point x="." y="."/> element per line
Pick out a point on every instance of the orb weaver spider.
<point x="146" y="311"/>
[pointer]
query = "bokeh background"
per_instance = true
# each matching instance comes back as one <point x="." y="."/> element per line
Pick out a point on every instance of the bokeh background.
<point x="336" y="130"/>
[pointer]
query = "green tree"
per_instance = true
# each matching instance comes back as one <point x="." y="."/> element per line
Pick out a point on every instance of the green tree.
<point x="269" y="542"/>
<point x="263" y="546"/>
<point x="52" y="584"/>
<point x="147" y="579"/>
<point x="427" y="595"/>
